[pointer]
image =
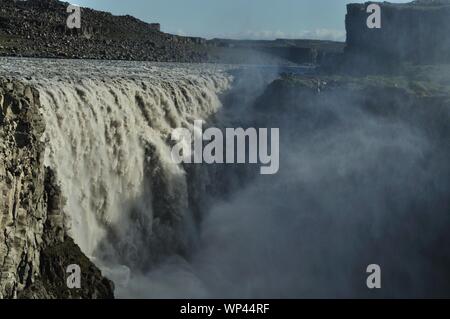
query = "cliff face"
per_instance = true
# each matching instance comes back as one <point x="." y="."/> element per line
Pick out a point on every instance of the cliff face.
<point x="415" y="32"/>
<point x="34" y="247"/>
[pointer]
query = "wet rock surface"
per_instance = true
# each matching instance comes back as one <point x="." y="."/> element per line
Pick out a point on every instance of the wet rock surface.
<point x="34" y="247"/>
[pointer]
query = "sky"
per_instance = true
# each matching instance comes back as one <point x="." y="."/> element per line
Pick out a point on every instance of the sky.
<point x="239" y="19"/>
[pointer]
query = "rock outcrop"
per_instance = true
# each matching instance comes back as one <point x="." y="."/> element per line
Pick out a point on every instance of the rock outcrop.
<point x="38" y="28"/>
<point x="35" y="249"/>
<point x="415" y="32"/>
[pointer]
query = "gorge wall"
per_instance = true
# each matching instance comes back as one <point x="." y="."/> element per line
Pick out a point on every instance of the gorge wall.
<point x="415" y="32"/>
<point x="364" y="177"/>
<point x="35" y="248"/>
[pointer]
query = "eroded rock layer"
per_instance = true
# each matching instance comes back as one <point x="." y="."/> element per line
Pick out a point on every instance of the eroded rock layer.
<point x="32" y="230"/>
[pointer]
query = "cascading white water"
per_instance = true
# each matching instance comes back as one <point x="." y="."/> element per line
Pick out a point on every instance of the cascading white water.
<point x="108" y="129"/>
<point x="97" y="131"/>
<point x="355" y="186"/>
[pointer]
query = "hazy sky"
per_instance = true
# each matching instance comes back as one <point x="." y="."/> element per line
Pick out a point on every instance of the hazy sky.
<point x="262" y="19"/>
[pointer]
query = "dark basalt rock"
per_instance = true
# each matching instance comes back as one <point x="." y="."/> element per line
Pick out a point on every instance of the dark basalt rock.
<point x="37" y="28"/>
<point x="415" y="32"/>
<point x="52" y="282"/>
<point x="35" y="249"/>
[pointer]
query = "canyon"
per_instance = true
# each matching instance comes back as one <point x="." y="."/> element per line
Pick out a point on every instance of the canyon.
<point x="87" y="176"/>
<point x="102" y="174"/>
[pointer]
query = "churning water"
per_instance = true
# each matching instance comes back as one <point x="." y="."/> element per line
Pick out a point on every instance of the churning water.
<point x="354" y="187"/>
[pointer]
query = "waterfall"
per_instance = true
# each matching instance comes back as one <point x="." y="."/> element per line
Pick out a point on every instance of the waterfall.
<point x="108" y="139"/>
<point x="356" y="185"/>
